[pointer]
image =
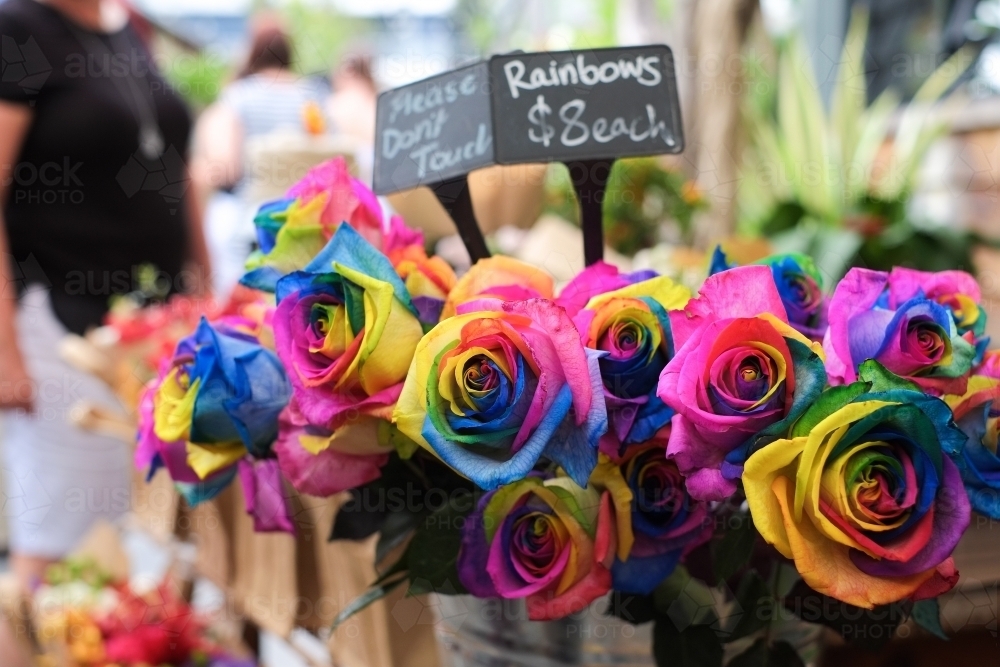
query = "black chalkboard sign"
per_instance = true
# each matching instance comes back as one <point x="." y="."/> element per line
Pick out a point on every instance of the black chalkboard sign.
<point x="584" y="108"/>
<point x="585" y="105"/>
<point x="433" y="130"/>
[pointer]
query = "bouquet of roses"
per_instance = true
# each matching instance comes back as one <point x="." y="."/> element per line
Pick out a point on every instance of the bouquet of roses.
<point x="622" y="436"/>
<point x="292" y="379"/>
<point x="610" y="438"/>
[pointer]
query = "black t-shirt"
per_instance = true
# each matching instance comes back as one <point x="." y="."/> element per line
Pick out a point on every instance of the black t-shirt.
<point x="86" y="208"/>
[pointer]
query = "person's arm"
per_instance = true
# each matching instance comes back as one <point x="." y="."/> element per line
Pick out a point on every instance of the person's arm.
<point x="199" y="261"/>
<point x="15" y="384"/>
<point x="217" y="153"/>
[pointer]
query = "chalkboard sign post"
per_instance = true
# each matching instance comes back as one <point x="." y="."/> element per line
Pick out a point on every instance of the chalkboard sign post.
<point x="582" y="108"/>
<point x="434" y="132"/>
<point x="454" y="195"/>
<point x="590" y="187"/>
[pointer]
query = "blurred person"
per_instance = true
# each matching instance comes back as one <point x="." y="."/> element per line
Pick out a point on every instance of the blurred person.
<point x="267" y="96"/>
<point x="351" y="107"/>
<point x="92" y="145"/>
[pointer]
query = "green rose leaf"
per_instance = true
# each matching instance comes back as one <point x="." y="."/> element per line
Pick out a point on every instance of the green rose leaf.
<point x="433" y="552"/>
<point x="733" y="551"/>
<point x="684" y="600"/>
<point x="755" y="605"/>
<point x="631" y="608"/>
<point x="366" y="511"/>
<point x="826" y="404"/>
<point x="863" y="628"/>
<point x="927" y="614"/>
<point x="696" y="646"/>
<point x="778" y="654"/>
<point x="396" y="529"/>
<point x="373" y="594"/>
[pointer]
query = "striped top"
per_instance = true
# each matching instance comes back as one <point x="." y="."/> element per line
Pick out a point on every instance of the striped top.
<point x="265" y="105"/>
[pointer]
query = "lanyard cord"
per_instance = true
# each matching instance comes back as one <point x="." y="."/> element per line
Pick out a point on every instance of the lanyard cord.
<point x="139" y="101"/>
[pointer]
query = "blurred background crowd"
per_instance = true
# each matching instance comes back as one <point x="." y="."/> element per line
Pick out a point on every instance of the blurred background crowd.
<point x="751" y="75"/>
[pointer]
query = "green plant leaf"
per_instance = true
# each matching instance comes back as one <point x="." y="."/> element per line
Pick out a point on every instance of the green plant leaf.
<point x="367" y="509"/>
<point x="396" y="568"/>
<point x="927" y="614"/>
<point x="862" y="628"/>
<point x="851" y="91"/>
<point x="685" y="600"/>
<point x="373" y="594"/>
<point x="918" y="127"/>
<point x="733" y="551"/>
<point x="696" y="646"/>
<point x="396" y="529"/>
<point x="389" y="435"/>
<point x="752" y="595"/>
<point x="433" y="551"/>
<point x="831" y="400"/>
<point x="631" y="608"/>
<point x="778" y="654"/>
<point x="875" y="124"/>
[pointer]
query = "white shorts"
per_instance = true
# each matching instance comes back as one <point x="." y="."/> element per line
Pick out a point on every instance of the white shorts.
<point x="57" y="478"/>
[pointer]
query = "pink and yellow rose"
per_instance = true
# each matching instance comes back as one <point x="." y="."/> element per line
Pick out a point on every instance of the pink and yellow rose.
<point x="292" y="230"/>
<point x="549" y="542"/>
<point x="739" y="375"/>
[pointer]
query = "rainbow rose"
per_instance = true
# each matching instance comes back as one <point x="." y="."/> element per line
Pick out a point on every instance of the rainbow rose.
<point x="956" y="290"/>
<point x="216" y="401"/>
<point x="222" y="396"/>
<point x="801" y="288"/>
<point x="625" y="316"/>
<point x="550" y="542"/>
<point x="292" y="230"/>
<point x="666" y="523"/>
<point x="740" y="374"/>
<point x="500" y="277"/>
<point x="429" y="280"/>
<point x="152" y="453"/>
<point x="318" y="464"/>
<point x="494" y="388"/>
<point x="860" y="494"/>
<point x="977" y="413"/>
<point x="345" y="328"/>
<point x="916" y="339"/>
